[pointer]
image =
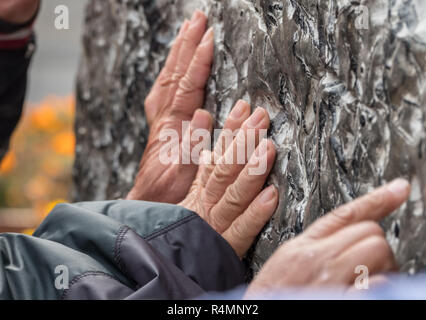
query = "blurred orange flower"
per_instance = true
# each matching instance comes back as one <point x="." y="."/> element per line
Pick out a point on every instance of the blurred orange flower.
<point x="38" y="169"/>
<point x="44" y="118"/>
<point x="64" y="143"/>
<point x="8" y="163"/>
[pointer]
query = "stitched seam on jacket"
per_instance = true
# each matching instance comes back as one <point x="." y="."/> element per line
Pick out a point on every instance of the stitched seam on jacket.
<point x="170" y="227"/>
<point x="81" y="276"/>
<point x="117" y="249"/>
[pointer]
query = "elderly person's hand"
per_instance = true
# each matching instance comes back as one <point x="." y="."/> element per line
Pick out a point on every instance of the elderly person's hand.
<point x="18" y="11"/>
<point x="328" y="252"/>
<point x="177" y="95"/>
<point x="227" y="193"/>
<point x="219" y="193"/>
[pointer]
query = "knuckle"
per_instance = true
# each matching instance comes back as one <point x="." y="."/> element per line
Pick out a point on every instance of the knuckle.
<point x="187" y="86"/>
<point x="374" y="228"/>
<point x="239" y="230"/>
<point x="380" y="245"/>
<point x="384" y="253"/>
<point x="233" y="198"/>
<point x="186" y="39"/>
<point x="189" y="42"/>
<point x="345" y="214"/>
<point x="256" y="215"/>
<point x="221" y="173"/>
<point x="176" y="76"/>
<point x="166" y="79"/>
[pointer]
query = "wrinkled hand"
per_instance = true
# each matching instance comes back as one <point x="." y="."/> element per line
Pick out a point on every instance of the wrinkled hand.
<point x="175" y="97"/>
<point x="228" y="195"/>
<point x="328" y="252"/>
<point x="18" y="11"/>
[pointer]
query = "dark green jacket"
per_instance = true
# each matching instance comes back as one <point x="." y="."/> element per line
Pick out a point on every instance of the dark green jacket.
<point x="117" y="250"/>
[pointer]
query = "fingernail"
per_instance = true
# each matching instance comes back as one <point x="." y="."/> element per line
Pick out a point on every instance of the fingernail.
<point x="184" y="27"/>
<point x="208" y="36"/>
<point x="399" y="187"/>
<point x="197" y="15"/>
<point x="201" y="120"/>
<point x="238" y="110"/>
<point x="268" y="194"/>
<point x="256" y="117"/>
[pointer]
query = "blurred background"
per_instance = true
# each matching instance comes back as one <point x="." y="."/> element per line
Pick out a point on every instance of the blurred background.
<point x="36" y="173"/>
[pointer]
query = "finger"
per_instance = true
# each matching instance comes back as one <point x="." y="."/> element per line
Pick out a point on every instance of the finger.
<point x="201" y="177"/>
<point x="246" y="187"/>
<point x="246" y="227"/>
<point x="178" y="64"/>
<point x="168" y="71"/>
<point x="373" y="206"/>
<point x="196" y="139"/>
<point x="190" y="149"/>
<point x="234" y="160"/>
<point x="350" y="235"/>
<point x="190" y="93"/>
<point x="372" y="253"/>
<point x="160" y="94"/>
<point x="236" y="118"/>
<point x="206" y="166"/>
<point x="191" y="40"/>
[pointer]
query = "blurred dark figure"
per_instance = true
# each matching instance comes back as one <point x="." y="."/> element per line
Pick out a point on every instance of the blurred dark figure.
<point x="17" y="45"/>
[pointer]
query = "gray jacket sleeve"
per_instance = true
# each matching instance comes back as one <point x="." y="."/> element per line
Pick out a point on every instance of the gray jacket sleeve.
<point x="117" y="250"/>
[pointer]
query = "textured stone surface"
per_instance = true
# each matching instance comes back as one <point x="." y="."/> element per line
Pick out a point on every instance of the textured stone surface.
<point x="343" y="81"/>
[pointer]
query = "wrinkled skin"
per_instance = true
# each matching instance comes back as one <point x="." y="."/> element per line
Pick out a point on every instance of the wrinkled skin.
<point x="177" y="95"/>
<point x="347" y="105"/>
<point x="220" y="192"/>
<point x="331" y="248"/>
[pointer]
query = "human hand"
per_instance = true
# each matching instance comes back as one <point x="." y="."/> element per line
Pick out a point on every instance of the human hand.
<point x="227" y="193"/>
<point x="175" y="97"/>
<point x="328" y="252"/>
<point x="18" y="11"/>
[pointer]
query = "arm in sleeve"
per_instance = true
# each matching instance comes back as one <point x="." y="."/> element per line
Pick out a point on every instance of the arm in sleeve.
<point x="17" y="45"/>
<point x="118" y="250"/>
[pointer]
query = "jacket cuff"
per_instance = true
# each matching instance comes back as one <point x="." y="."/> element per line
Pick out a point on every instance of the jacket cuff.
<point x="200" y="252"/>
